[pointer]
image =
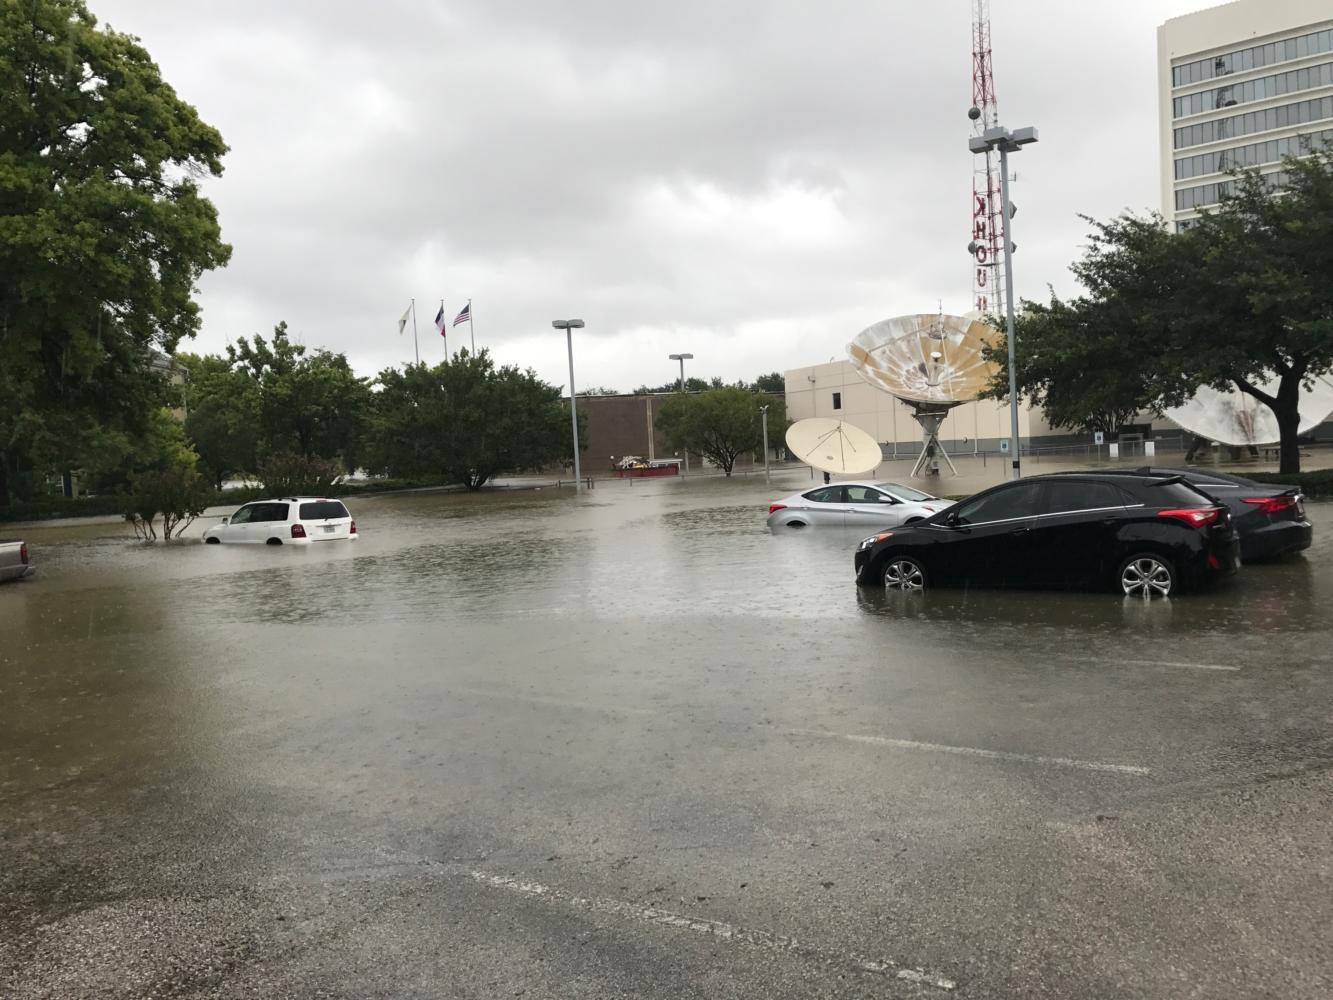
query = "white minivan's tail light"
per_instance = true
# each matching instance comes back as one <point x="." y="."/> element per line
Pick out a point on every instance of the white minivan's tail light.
<point x="298" y="530"/>
<point x="353" y="529"/>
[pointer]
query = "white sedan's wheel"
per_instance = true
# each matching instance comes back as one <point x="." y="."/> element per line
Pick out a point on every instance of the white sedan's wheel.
<point x="1147" y="576"/>
<point x="904" y="574"/>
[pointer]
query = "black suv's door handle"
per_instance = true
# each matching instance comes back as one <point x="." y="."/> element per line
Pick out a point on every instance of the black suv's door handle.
<point x="1021" y="531"/>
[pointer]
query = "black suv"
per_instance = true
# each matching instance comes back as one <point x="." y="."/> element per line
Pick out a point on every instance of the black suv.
<point x="1146" y="536"/>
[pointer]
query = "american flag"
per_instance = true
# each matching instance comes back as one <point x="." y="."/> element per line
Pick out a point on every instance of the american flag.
<point x="464" y="315"/>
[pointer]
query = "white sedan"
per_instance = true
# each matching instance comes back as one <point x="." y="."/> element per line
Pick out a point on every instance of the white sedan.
<point x="862" y="505"/>
<point x="285" y="521"/>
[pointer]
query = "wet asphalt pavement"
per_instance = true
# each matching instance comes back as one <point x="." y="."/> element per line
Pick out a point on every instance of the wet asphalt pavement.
<point x="634" y="745"/>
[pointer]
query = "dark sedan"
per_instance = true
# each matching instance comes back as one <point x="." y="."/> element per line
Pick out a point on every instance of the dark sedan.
<point x="1269" y="519"/>
<point x="1146" y="536"/>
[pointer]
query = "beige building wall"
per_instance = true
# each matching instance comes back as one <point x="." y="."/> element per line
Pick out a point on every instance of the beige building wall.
<point x="810" y="393"/>
<point x="1226" y="32"/>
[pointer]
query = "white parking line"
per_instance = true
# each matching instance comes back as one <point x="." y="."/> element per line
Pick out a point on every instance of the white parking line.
<point x="1172" y="663"/>
<point x="537" y="699"/>
<point x="885" y="741"/>
<point x="714" y="928"/>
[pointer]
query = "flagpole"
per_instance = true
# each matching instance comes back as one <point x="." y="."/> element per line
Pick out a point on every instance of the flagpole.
<point x="415" y="349"/>
<point x="444" y="332"/>
<point x="472" y="327"/>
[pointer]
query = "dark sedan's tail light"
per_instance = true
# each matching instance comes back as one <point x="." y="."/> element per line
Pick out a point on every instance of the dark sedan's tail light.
<point x="298" y="530"/>
<point x="1272" y="505"/>
<point x="776" y="506"/>
<point x="1195" y="517"/>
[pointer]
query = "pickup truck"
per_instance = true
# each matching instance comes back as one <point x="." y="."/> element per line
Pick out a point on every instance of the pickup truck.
<point x="14" y="563"/>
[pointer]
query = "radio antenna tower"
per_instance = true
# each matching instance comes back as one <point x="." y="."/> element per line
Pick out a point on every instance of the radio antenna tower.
<point x="987" y="221"/>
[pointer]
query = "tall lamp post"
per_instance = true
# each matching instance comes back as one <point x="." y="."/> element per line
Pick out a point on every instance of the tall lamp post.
<point x="569" y="326"/>
<point x="1005" y="142"/>
<point x="682" y="358"/>
<point x="764" y="411"/>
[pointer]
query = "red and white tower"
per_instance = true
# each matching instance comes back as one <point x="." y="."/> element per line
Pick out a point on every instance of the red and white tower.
<point x="987" y="211"/>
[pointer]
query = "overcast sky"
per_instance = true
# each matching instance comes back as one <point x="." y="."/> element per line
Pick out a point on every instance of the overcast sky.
<point x="750" y="182"/>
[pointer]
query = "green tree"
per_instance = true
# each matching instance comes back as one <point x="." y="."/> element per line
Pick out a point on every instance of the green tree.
<point x="103" y="231"/>
<point x="772" y="382"/>
<point x="466" y="420"/>
<point x="1241" y="297"/>
<point x="221" y="416"/>
<point x="314" y="406"/>
<point x="1077" y="365"/>
<point x="163" y="480"/>
<point x="720" y="424"/>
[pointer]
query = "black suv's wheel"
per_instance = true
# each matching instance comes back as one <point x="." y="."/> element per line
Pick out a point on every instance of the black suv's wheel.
<point x="1147" y="575"/>
<point x="903" y="573"/>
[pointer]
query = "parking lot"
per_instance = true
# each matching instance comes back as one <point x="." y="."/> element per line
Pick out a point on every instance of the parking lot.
<point x="634" y="744"/>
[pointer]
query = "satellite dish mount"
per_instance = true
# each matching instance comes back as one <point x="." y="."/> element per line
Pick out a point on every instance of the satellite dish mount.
<point x="932" y="448"/>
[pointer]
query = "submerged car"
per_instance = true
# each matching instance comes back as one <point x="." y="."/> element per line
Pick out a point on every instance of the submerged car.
<point x="285" y="521"/>
<point x="14" y="564"/>
<point x="1269" y="519"/>
<point x="854" y="505"/>
<point x="1145" y="536"/>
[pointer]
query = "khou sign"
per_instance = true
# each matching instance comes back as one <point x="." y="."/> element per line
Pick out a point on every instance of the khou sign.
<point x="1098" y="438"/>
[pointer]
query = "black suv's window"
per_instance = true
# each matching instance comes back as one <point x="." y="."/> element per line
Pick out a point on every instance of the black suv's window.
<point x="1175" y="495"/>
<point x="318" y="510"/>
<point x="1018" y="500"/>
<point x="268" y="512"/>
<point x="1065" y="496"/>
<point x="828" y="494"/>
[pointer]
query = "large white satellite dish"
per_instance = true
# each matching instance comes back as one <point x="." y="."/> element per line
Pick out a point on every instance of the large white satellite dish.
<point x="932" y="362"/>
<point x="1239" y="420"/>
<point x="834" y="446"/>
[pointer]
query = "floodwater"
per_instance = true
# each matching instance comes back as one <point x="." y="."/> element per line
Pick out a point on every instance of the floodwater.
<point x="634" y="744"/>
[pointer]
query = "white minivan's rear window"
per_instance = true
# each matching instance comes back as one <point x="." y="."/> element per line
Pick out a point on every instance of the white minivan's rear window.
<point x="319" y="510"/>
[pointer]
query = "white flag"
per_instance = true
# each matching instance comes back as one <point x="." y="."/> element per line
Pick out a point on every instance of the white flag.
<point x="403" y="322"/>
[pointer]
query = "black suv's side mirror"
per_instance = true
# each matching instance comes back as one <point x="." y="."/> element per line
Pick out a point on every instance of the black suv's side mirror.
<point x="952" y="519"/>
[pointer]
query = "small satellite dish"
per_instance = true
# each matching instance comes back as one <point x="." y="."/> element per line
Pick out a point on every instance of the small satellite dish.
<point x="932" y="363"/>
<point x="1237" y="419"/>
<point x="834" y="446"/>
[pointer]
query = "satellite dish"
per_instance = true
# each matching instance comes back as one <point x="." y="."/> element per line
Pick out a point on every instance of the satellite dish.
<point x="931" y="362"/>
<point x="834" y="446"/>
<point x="933" y="359"/>
<point x="1239" y="420"/>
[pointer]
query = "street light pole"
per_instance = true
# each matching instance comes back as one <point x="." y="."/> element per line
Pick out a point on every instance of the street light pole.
<point x="1005" y="142"/>
<point x="1009" y="310"/>
<point x="682" y="358"/>
<point x="569" y="326"/>
<point x="764" y="411"/>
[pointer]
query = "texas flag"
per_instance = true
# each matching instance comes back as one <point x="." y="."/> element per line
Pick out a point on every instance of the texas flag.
<point x="440" y="323"/>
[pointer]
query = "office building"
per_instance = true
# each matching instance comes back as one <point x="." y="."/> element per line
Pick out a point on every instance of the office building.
<point x="1243" y="84"/>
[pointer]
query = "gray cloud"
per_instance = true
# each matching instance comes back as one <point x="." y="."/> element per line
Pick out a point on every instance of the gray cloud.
<point x="752" y="182"/>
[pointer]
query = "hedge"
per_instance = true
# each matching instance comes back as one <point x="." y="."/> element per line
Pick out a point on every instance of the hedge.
<point x="1317" y="484"/>
<point x="52" y="508"/>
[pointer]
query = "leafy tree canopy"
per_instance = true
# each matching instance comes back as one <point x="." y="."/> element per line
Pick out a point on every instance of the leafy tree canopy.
<point x="1240" y="297"/>
<point x="720" y="424"/>
<point x="103" y="230"/>
<point x="315" y="406"/>
<point x="467" y="420"/>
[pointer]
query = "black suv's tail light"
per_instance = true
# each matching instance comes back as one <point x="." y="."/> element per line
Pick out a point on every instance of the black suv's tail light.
<point x="1195" y="517"/>
<point x="1272" y="505"/>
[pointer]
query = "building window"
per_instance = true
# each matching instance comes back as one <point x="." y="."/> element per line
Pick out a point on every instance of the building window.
<point x="1252" y="58"/>
<point x="1255" y="121"/>
<point x="837" y="401"/>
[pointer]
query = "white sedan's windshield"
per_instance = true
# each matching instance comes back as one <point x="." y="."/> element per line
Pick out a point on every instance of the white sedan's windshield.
<point x="904" y="492"/>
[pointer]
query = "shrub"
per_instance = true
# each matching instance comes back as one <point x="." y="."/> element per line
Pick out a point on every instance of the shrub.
<point x="286" y="474"/>
<point x="179" y="494"/>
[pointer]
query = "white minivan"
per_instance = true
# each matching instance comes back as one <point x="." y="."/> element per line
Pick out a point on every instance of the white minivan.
<point x="286" y="521"/>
